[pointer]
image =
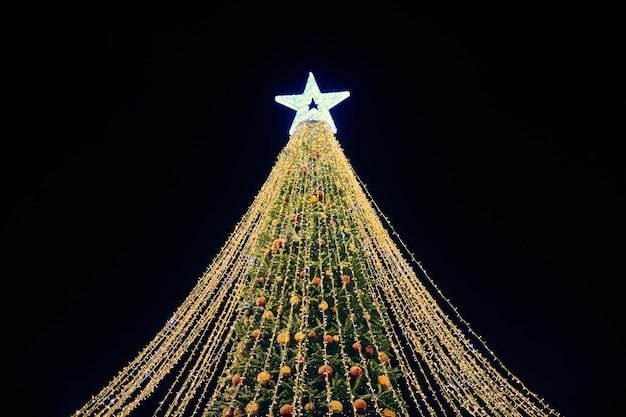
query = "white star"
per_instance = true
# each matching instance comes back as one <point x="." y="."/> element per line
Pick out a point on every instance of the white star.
<point x="312" y="104"/>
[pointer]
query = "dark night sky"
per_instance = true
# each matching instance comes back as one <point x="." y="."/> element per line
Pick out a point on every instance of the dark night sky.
<point x="487" y="134"/>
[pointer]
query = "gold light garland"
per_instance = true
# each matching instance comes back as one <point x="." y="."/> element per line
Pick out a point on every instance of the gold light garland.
<point x="310" y="259"/>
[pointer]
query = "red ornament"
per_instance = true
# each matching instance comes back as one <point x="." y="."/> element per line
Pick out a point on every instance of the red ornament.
<point x="369" y="350"/>
<point x="357" y="346"/>
<point x="312" y="334"/>
<point x="356" y="371"/>
<point x="286" y="410"/>
<point x="303" y="169"/>
<point x="345" y="279"/>
<point x="360" y="405"/>
<point x="261" y="301"/>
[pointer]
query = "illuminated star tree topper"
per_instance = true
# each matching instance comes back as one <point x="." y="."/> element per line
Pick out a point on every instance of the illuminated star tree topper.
<point x="312" y="104"/>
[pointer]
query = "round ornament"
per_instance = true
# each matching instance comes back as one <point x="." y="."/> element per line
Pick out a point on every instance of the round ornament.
<point x="335" y="406"/>
<point x="325" y="371"/>
<point x="286" y="410"/>
<point x="263" y="377"/>
<point x="360" y="405"/>
<point x="252" y="408"/>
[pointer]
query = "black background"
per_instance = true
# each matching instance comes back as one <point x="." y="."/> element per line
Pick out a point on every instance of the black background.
<point x="488" y="134"/>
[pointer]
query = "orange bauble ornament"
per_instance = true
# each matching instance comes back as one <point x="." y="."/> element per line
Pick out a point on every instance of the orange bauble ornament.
<point x="261" y="301"/>
<point x="357" y="346"/>
<point x="345" y="279"/>
<point x="309" y="407"/>
<point x="356" y="371"/>
<point x="328" y="339"/>
<point x="335" y="406"/>
<point x="389" y="413"/>
<point x="383" y="357"/>
<point x="252" y="408"/>
<point x="316" y="281"/>
<point x="384" y="381"/>
<point x="256" y="333"/>
<point x="286" y="410"/>
<point x="298" y="337"/>
<point x="313" y="199"/>
<point x="285" y="370"/>
<point x="325" y="370"/>
<point x="294" y="300"/>
<point x="360" y="405"/>
<point x="263" y="377"/>
<point x="322" y="305"/>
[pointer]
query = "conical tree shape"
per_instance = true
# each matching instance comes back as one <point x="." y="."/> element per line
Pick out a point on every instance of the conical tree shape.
<point x="311" y="309"/>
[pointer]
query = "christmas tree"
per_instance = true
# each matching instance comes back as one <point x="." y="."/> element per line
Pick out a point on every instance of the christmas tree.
<point x="313" y="307"/>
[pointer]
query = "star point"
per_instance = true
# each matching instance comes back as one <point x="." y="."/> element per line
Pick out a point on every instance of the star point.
<point x="312" y="104"/>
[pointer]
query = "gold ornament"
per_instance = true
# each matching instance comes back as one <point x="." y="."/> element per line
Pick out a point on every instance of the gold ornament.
<point x="384" y="381"/>
<point x="283" y="338"/>
<point x="252" y="408"/>
<point x="263" y="377"/>
<point x="336" y="406"/>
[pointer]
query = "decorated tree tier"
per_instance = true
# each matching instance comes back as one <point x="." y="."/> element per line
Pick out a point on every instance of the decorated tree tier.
<point x="314" y="307"/>
<point x="310" y="335"/>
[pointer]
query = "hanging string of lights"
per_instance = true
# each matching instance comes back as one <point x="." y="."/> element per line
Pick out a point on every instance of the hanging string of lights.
<point x="311" y="309"/>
